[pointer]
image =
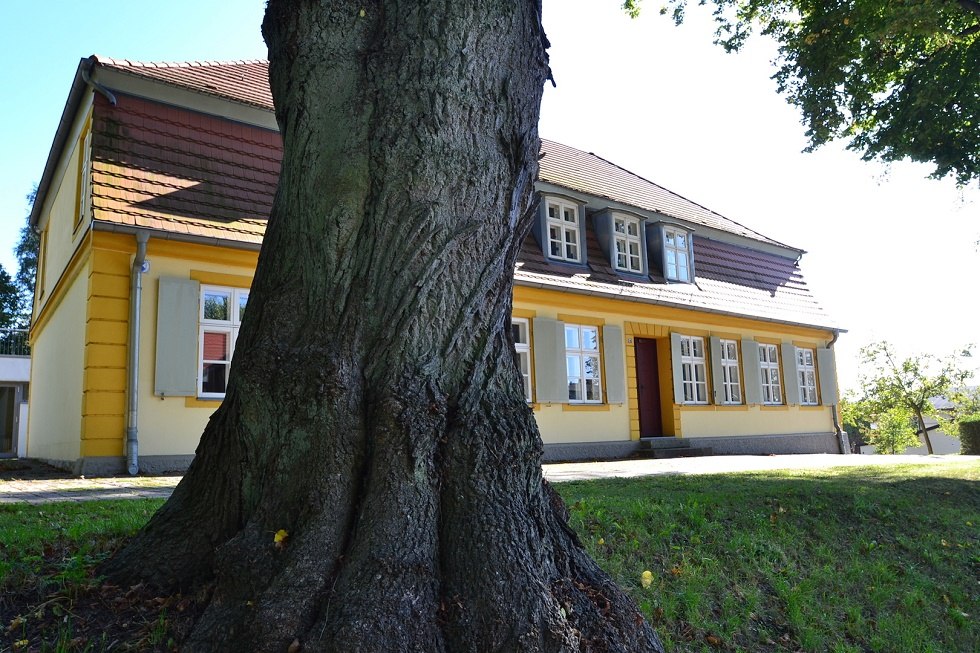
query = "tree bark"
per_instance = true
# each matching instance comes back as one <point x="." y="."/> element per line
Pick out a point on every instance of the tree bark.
<point x="375" y="411"/>
<point x="925" y="431"/>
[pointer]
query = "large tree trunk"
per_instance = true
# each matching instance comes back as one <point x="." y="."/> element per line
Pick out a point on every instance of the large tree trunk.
<point x="375" y="411"/>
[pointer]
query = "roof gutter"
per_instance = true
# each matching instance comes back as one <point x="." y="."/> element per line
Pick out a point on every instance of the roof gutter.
<point x="140" y="265"/>
<point x="653" y="302"/>
<point x="842" y="442"/>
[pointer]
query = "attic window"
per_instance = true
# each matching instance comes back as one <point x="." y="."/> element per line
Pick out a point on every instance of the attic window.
<point x="677" y="254"/>
<point x="627" y="239"/>
<point x="563" y="231"/>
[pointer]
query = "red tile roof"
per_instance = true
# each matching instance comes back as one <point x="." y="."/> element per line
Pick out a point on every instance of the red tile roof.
<point x="175" y="170"/>
<point x="588" y="173"/>
<point x="242" y="81"/>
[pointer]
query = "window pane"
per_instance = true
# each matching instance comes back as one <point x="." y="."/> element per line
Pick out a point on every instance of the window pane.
<point x="571" y="337"/>
<point x="552" y="211"/>
<point x="592" y="367"/>
<point x="570" y="215"/>
<point x="214" y="377"/>
<point x="242" y="300"/>
<point x="574" y="393"/>
<point x="619" y="226"/>
<point x="633" y="228"/>
<point x="572" y="366"/>
<point x="215" y="346"/>
<point x="216" y="306"/>
<point x="680" y="241"/>
<point x="669" y="238"/>
<point x="592" y="390"/>
<point x="590" y="339"/>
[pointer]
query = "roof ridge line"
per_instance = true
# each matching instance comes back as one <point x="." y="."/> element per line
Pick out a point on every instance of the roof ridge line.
<point x="128" y="63"/>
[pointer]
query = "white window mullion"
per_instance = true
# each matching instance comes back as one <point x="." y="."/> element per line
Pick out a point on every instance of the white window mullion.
<point x="807" y="376"/>
<point x="583" y="364"/>
<point x="694" y="370"/>
<point x="520" y="328"/>
<point x="769" y="363"/>
<point x="221" y="313"/>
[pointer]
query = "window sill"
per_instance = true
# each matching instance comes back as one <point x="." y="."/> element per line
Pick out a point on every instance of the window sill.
<point x="585" y="407"/>
<point x="202" y="402"/>
<point x="774" y="407"/>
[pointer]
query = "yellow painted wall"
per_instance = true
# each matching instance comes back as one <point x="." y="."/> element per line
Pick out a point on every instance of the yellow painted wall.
<point x="57" y="363"/>
<point x="173" y="425"/>
<point x="712" y="421"/>
<point x="657" y="322"/>
<point x="61" y="238"/>
<point x="106" y="350"/>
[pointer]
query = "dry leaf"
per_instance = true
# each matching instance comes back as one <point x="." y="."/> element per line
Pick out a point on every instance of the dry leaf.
<point x="294" y="647"/>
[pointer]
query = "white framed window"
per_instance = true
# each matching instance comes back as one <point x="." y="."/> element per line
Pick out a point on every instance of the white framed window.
<point x="582" y="364"/>
<point x="563" y="231"/>
<point x="772" y="393"/>
<point x="626" y="233"/>
<point x="521" y="330"/>
<point x="221" y="315"/>
<point x="693" y="370"/>
<point x="84" y="179"/>
<point x="677" y="261"/>
<point x="806" y="371"/>
<point x="730" y="373"/>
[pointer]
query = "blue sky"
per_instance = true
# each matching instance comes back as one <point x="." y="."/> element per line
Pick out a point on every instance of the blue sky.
<point x="890" y="254"/>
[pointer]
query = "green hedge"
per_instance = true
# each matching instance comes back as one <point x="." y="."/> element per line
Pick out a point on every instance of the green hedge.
<point x="970" y="435"/>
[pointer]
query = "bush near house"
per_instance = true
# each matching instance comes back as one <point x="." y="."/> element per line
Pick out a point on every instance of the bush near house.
<point x="970" y="435"/>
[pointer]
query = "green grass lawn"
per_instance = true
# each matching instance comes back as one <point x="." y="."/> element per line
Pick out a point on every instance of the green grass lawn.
<point x="844" y="560"/>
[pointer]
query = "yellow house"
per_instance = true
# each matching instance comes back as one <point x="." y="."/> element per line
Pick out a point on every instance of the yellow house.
<point x="641" y="319"/>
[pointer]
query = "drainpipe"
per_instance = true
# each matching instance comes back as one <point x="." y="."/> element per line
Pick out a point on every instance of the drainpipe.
<point x="842" y="445"/>
<point x="140" y="265"/>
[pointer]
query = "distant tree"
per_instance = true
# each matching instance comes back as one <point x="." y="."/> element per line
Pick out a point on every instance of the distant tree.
<point x="964" y="404"/>
<point x="27" y="251"/>
<point x="891" y="384"/>
<point x="9" y="301"/>
<point x="898" y="79"/>
<point x="856" y="417"/>
<point x="893" y="432"/>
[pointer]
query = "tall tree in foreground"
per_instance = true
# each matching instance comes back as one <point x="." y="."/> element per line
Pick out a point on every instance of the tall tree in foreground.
<point x="898" y="79"/>
<point x="372" y="480"/>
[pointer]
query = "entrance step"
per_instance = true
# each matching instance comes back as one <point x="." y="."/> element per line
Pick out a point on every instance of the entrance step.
<point x="669" y="447"/>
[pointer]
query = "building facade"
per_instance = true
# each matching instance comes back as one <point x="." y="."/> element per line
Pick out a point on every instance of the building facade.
<point x="638" y="314"/>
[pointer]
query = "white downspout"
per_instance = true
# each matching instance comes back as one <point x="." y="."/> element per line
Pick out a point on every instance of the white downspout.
<point x="140" y="265"/>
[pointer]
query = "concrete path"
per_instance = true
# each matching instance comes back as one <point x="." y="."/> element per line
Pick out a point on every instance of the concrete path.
<point x="126" y="487"/>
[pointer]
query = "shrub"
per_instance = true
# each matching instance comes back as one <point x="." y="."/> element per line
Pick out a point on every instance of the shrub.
<point x="970" y="435"/>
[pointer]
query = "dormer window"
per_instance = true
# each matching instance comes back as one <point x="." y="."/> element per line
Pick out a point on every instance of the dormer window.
<point x="677" y="265"/>
<point x="626" y="235"/>
<point x="563" y="230"/>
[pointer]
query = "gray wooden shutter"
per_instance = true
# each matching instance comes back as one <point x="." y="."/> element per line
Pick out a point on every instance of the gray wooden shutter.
<point x="614" y="359"/>
<point x="827" y="372"/>
<point x="675" y="367"/>
<point x="583" y="230"/>
<point x="717" y="377"/>
<point x="791" y="373"/>
<point x="178" y="303"/>
<point x="753" y="373"/>
<point x="539" y="228"/>
<point x="550" y="376"/>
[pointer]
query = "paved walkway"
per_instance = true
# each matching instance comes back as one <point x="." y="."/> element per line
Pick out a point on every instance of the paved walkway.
<point x="127" y="487"/>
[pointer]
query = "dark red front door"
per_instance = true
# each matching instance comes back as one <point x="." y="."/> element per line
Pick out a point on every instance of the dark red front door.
<point x="648" y="388"/>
